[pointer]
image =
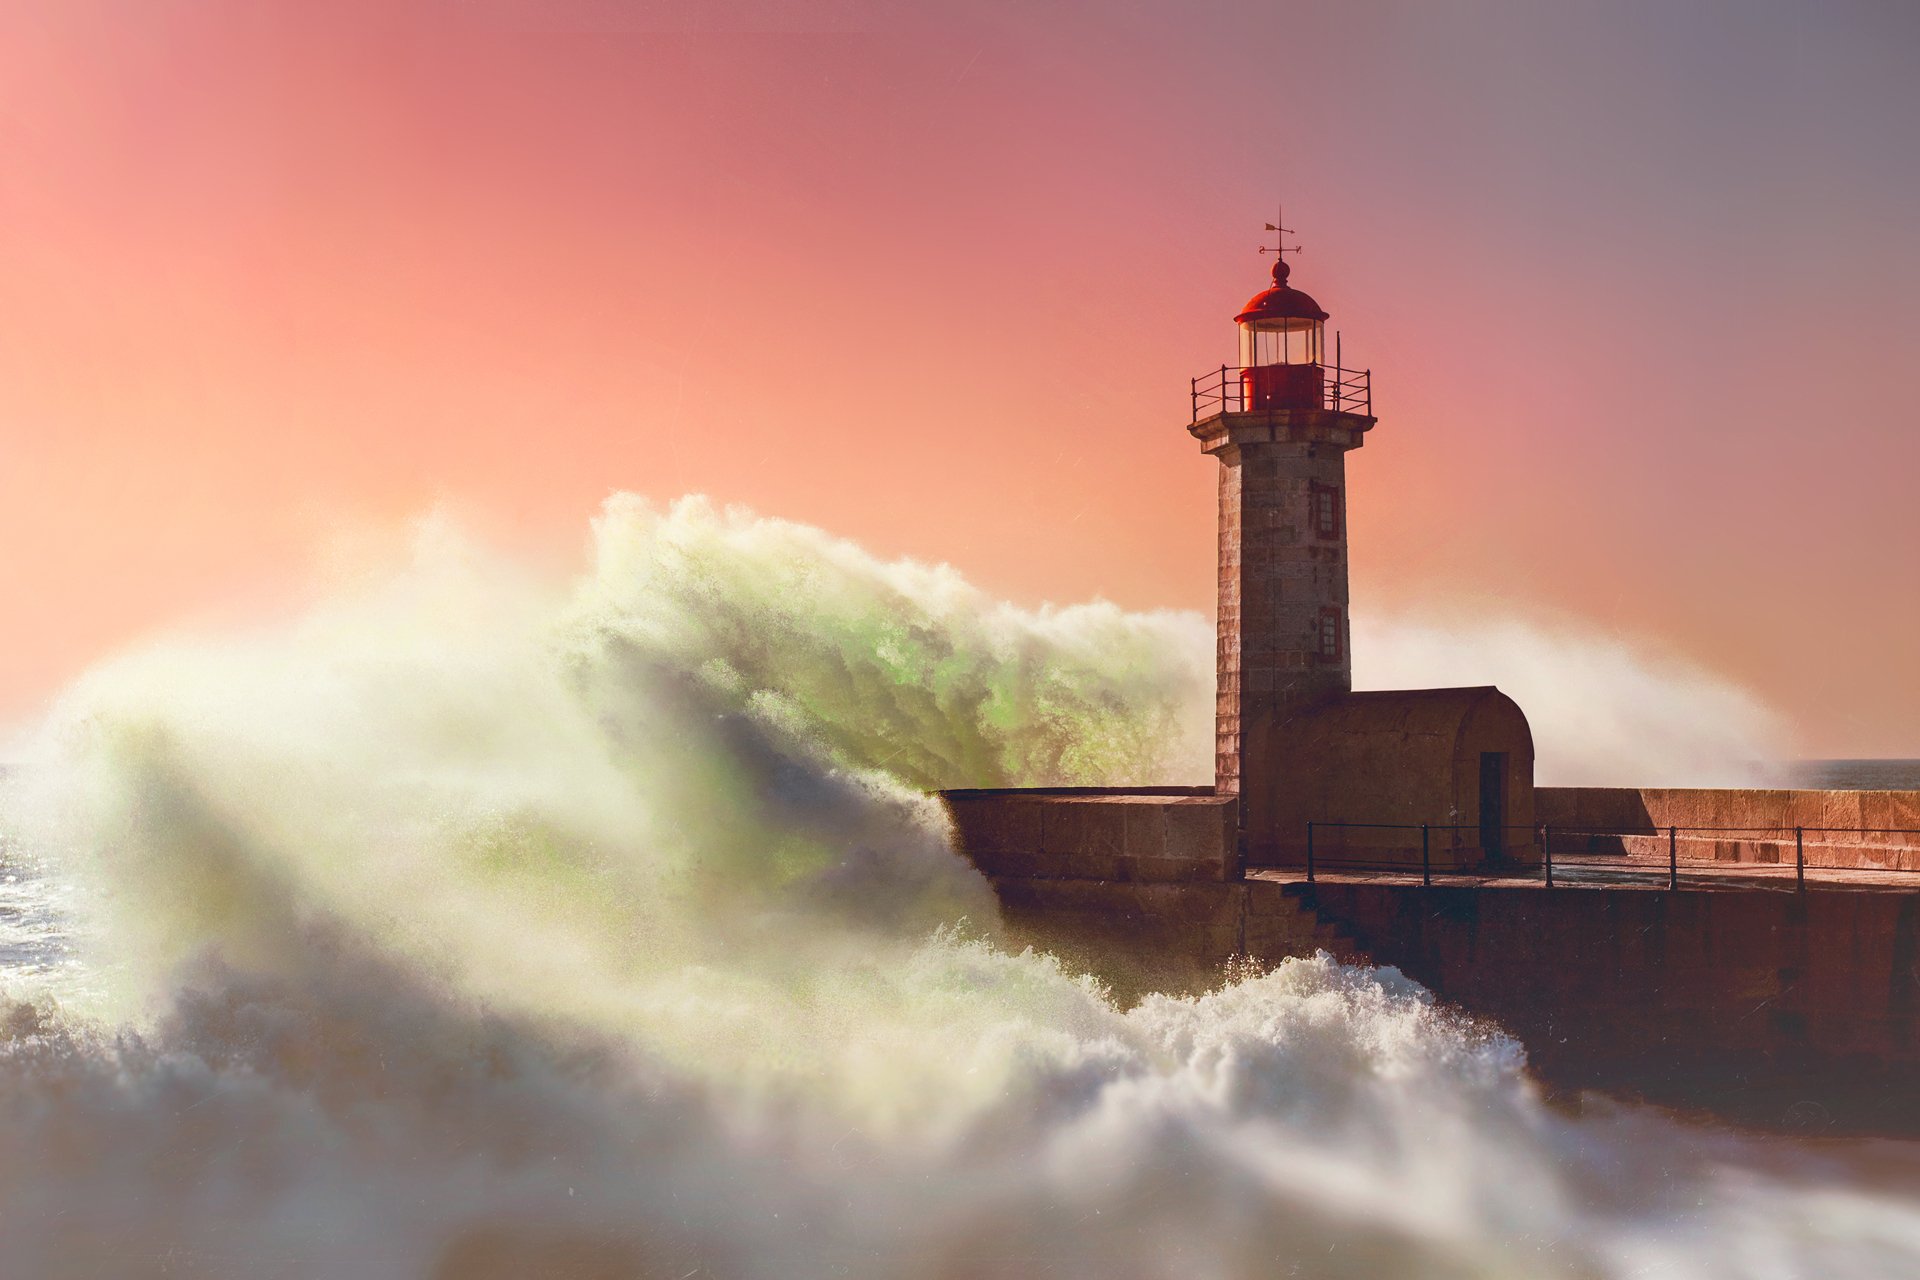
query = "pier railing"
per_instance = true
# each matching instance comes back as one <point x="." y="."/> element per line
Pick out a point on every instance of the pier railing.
<point x="1626" y="856"/>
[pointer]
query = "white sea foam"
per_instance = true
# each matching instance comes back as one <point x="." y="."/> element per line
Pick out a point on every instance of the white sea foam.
<point x="1604" y="713"/>
<point x="469" y="928"/>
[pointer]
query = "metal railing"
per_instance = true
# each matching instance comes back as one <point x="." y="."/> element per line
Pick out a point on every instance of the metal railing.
<point x="1224" y="390"/>
<point x="1652" y="860"/>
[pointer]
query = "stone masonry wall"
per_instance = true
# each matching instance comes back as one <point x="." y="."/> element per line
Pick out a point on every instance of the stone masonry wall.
<point x="1276" y="576"/>
<point x="1753" y="825"/>
<point x="1287" y="572"/>
<point x="1754" y="1003"/>
<point x="1176" y="938"/>
<point x="1140" y="887"/>
<point x="1227" y="655"/>
<point x="1776" y="1007"/>
<point x="1154" y="835"/>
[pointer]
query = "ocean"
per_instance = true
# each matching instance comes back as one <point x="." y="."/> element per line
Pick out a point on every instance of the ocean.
<point x="471" y="927"/>
<point x="1854" y="775"/>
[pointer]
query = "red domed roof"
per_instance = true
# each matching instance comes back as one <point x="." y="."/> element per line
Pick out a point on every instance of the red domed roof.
<point x="1280" y="302"/>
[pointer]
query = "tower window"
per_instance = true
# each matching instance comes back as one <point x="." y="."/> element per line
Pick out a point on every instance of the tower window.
<point x="1329" y="638"/>
<point x="1326" y="510"/>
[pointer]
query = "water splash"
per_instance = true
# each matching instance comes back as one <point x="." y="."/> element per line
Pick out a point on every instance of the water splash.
<point x="471" y="928"/>
<point x="1604" y="714"/>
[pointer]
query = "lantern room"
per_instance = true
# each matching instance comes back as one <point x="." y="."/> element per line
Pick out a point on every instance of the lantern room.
<point x="1282" y="343"/>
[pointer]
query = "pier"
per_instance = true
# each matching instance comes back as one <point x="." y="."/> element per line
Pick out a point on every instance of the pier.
<point x="1780" y="993"/>
<point x="1755" y="953"/>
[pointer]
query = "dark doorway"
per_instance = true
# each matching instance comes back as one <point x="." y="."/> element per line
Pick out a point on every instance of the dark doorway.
<point x="1493" y="803"/>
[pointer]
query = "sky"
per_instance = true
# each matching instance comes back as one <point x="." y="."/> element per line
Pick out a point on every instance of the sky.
<point x="1636" y="282"/>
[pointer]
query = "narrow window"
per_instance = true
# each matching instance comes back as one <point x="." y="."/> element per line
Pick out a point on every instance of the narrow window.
<point x="1326" y="510"/>
<point x="1330" y="635"/>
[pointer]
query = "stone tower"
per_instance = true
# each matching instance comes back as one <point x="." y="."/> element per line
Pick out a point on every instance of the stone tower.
<point x="1281" y="424"/>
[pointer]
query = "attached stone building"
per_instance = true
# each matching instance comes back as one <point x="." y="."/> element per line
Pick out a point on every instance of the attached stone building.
<point x="1386" y="775"/>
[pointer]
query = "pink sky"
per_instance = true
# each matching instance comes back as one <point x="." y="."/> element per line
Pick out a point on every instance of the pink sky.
<point x="1637" y="288"/>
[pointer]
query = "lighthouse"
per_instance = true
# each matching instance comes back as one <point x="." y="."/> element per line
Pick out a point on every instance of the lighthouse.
<point x="1281" y="422"/>
<point x="1304" y="766"/>
<point x="1388" y="776"/>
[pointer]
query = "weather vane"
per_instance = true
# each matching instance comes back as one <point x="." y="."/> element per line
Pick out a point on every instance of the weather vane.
<point x="1281" y="232"/>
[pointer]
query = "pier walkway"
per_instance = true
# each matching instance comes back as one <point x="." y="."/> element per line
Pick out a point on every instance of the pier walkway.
<point x="1628" y="872"/>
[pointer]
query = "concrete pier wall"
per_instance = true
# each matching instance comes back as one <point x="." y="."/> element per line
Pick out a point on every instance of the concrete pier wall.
<point x="1154" y="834"/>
<point x="1176" y="938"/>
<point x="1742" y="825"/>
<point x="1775" y="1007"/>
<point x="1782" y="1008"/>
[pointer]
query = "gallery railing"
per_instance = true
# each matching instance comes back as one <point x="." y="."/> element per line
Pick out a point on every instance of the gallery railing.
<point x="1642" y="855"/>
<point x="1225" y="390"/>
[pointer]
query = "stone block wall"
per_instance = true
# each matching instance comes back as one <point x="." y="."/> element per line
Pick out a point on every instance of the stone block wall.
<point x="1141" y="936"/>
<point x="1140" y="887"/>
<point x="1745" y="1002"/>
<point x="1762" y="1005"/>
<point x="1282" y="578"/>
<point x="1228" y="658"/>
<point x="1738" y="824"/>
<point x="1150" y="835"/>
<point x="1276" y="575"/>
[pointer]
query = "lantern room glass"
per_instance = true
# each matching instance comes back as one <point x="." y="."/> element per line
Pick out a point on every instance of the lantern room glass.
<point x="1288" y="340"/>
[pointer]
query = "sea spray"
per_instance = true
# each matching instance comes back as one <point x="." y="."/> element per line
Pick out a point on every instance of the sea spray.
<point x="1605" y="713"/>
<point x="466" y="927"/>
